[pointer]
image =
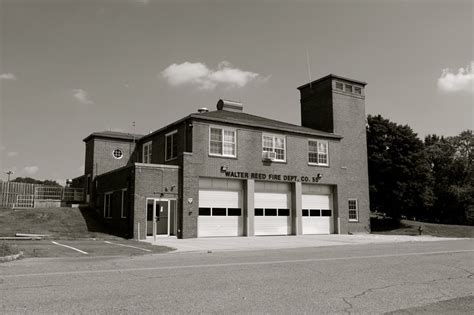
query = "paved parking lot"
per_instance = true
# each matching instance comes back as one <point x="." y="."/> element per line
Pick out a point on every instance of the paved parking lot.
<point x="283" y="242"/>
<point x="85" y="247"/>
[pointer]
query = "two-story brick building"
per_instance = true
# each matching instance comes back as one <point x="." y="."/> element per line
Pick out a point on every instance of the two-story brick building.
<point x="229" y="173"/>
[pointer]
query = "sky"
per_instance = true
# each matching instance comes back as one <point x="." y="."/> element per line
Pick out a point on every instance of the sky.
<point x="72" y="67"/>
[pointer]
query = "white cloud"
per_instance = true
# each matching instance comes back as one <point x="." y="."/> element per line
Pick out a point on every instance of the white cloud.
<point x="30" y="170"/>
<point x="12" y="154"/>
<point x="198" y="74"/>
<point x="463" y="80"/>
<point x="81" y="96"/>
<point x="7" y="76"/>
<point x="61" y="181"/>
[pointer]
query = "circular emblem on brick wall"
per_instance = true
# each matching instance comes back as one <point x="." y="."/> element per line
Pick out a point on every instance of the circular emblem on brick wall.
<point x="118" y="154"/>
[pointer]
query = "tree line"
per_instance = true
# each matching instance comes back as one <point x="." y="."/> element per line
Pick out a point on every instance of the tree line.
<point x="430" y="180"/>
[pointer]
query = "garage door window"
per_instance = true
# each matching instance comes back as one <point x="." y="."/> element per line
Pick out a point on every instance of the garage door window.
<point x="272" y="212"/>
<point x="220" y="212"/>
<point x="317" y="213"/>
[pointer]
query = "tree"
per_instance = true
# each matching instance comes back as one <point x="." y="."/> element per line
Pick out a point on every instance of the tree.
<point x="399" y="173"/>
<point x="29" y="180"/>
<point x="452" y="165"/>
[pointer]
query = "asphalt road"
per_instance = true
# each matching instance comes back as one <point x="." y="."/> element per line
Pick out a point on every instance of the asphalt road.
<point x="403" y="278"/>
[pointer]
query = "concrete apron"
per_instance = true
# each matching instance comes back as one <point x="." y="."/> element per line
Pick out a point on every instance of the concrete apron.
<point x="281" y="242"/>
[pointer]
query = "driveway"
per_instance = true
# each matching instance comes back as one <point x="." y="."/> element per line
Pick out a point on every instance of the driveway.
<point x="283" y="242"/>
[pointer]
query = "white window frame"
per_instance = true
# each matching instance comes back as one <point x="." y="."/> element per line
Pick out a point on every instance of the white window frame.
<point x="109" y="214"/>
<point x="356" y="209"/>
<point x="318" y="141"/>
<point x="273" y="145"/>
<point x="174" y="155"/>
<point x="147" y="157"/>
<point x="223" y="129"/>
<point x="117" y="157"/>
<point x="122" y="214"/>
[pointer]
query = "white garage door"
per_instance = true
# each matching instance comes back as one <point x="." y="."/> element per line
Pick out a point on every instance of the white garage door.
<point x="272" y="214"/>
<point x="317" y="214"/>
<point x="220" y="213"/>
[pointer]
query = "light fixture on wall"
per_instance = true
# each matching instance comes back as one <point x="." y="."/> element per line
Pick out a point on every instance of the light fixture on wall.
<point x="223" y="169"/>
<point x="319" y="176"/>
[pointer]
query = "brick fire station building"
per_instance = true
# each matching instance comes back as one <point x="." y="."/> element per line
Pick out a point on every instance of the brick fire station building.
<point x="227" y="172"/>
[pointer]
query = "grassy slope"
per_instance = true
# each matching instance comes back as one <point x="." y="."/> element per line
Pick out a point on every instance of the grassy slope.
<point x="407" y="227"/>
<point x="57" y="222"/>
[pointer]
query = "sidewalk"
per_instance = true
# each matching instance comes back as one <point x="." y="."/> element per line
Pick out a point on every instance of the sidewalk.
<point x="280" y="242"/>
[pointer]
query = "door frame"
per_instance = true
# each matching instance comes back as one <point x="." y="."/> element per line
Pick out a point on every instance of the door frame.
<point x="155" y="200"/>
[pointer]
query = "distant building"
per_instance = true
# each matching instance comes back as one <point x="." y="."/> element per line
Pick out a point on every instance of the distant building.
<point x="229" y="173"/>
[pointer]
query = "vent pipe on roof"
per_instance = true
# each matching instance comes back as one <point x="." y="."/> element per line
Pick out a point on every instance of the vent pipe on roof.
<point x="230" y="106"/>
<point x="203" y="110"/>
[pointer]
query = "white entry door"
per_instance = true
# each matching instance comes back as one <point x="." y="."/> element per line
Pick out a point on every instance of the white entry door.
<point x="272" y="214"/>
<point x="220" y="213"/>
<point x="317" y="214"/>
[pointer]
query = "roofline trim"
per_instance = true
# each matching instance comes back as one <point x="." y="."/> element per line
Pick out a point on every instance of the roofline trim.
<point x="332" y="76"/>
<point x="315" y="133"/>
<point x="92" y="135"/>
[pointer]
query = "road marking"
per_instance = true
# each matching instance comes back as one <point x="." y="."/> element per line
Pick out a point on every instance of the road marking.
<point x="70" y="247"/>
<point x="143" y="249"/>
<point x="62" y="273"/>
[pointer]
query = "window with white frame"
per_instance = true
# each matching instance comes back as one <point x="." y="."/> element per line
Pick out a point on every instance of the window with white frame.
<point x="276" y="144"/>
<point x="318" y="152"/>
<point x="124" y="207"/>
<point x="107" y="205"/>
<point x="147" y="153"/>
<point x="353" y="210"/>
<point x="171" y="145"/>
<point x="222" y="141"/>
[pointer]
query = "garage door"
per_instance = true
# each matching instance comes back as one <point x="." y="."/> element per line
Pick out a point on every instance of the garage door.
<point x="317" y="214"/>
<point x="220" y="213"/>
<point x="272" y="214"/>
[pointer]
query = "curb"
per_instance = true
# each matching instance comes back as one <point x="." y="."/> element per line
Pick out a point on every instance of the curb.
<point x="11" y="257"/>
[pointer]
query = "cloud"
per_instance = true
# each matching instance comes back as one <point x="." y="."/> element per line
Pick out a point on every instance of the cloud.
<point x="81" y="96"/>
<point x="7" y="76"/>
<point x="198" y="74"/>
<point x="12" y="154"/>
<point x="30" y="170"/>
<point x="463" y="80"/>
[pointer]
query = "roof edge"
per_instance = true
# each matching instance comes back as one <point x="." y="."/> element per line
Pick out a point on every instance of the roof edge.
<point x="332" y="76"/>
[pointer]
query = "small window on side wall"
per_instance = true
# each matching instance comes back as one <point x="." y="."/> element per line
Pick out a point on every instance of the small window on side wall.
<point x="353" y="210"/>
<point x="339" y="86"/>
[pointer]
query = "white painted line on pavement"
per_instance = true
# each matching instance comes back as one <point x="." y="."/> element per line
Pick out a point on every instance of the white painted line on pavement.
<point x="143" y="249"/>
<point x="70" y="247"/>
<point x="62" y="273"/>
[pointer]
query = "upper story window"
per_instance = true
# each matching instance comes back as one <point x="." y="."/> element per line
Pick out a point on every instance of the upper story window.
<point x="147" y="152"/>
<point x="274" y="147"/>
<point x="318" y="153"/>
<point x="222" y="141"/>
<point x="171" y="145"/>
<point x="353" y="210"/>
<point x="348" y="88"/>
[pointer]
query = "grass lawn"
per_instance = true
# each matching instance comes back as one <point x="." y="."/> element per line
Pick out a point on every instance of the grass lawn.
<point x="407" y="227"/>
<point x="69" y="223"/>
<point x="8" y="249"/>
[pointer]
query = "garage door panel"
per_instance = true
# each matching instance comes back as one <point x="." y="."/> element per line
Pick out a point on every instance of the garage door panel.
<point x="220" y="226"/>
<point x="218" y="198"/>
<point x="272" y="225"/>
<point x="317" y="224"/>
